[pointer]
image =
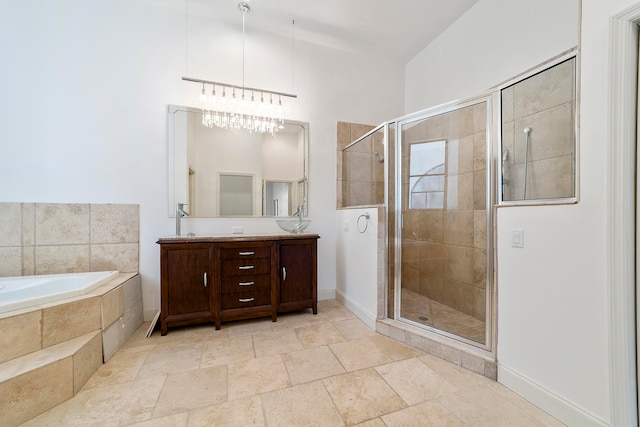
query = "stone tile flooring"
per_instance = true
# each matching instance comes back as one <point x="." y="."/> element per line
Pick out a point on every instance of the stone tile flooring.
<point x="421" y="309"/>
<point x="304" y="370"/>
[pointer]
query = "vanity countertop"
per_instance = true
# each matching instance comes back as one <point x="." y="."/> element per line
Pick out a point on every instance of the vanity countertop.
<point x="210" y="238"/>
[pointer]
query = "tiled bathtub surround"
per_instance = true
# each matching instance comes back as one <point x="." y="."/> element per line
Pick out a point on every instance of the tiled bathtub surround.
<point x="48" y="352"/>
<point x="49" y="238"/>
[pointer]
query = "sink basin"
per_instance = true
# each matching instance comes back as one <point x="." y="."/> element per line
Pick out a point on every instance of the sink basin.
<point x="293" y="225"/>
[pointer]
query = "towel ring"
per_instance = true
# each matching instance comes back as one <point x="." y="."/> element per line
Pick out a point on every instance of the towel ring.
<point x="366" y="222"/>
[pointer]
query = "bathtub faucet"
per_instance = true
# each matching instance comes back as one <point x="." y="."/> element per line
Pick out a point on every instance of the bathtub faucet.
<point x="180" y="212"/>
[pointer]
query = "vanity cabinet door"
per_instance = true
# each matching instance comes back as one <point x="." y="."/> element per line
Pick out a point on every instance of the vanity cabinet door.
<point x="298" y="275"/>
<point x="186" y="285"/>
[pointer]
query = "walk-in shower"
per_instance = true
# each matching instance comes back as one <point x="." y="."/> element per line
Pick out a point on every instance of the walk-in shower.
<point x="436" y="170"/>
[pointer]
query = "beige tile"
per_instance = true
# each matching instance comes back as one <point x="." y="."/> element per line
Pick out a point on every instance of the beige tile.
<point x="256" y="376"/>
<point x="121" y="257"/>
<point x="10" y="261"/>
<point x="21" y="334"/>
<point x="171" y="360"/>
<point x="311" y="364"/>
<point x="185" y="391"/>
<point x="28" y="224"/>
<point x="122" y="367"/>
<point x="62" y="224"/>
<point x="376" y="422"/>
<point x="394" y="349"/>
<point x="525" y="405"/>
<point x="112" y="306"/>
<point x="453" y="374"/>
<point x="272" y="343"/>
<point x="428" y="414"/>
<point x="28" y="260"/>
<point x="242" y="412"/>
<point x="121" y="404"/>
<point x="34" y="392"/>
<point x="61" y="259"/>
<point x="414" y="381"/>
<point x="362" y="395"/>
<point x="227" y="350"/>
<point x="177" y="420"/>
<point x="86" y="362"/>
<point x="66" y="321"/>
<point x="359" y="354"/>
<point x="10" y="224"/>
<point x="480" y="406"/>
<point x="115" y="223"/>
<point x="353" y="329"/>
<point x="302" y="405"/>
<point x="458" y="264"/>
<point x="248" y="327"/>
<point x="319" y="334"/>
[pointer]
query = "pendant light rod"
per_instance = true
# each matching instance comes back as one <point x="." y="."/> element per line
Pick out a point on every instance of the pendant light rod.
<point x="209" y="82"/>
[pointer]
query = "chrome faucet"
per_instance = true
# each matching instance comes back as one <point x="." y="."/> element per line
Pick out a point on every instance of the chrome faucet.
<point x="299" y="212"/>
<point x="180" y="212"/>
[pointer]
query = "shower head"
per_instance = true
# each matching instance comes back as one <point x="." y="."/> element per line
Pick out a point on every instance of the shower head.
<point x="527" y="130"/>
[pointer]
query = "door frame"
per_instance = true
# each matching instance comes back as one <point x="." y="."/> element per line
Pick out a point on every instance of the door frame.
<point x="622" y="133"/>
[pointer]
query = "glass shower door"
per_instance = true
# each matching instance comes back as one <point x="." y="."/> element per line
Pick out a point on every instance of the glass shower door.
<point x="441" y="279"/>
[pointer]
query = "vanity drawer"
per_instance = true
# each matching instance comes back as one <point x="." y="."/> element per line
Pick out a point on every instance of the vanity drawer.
<point x="245" y="267"/>
<point x="246" y="299"/>
<point x="244" y="253"/>
<point x="246" y="283"/>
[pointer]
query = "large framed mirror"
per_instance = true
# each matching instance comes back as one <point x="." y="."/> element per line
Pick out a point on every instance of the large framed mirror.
<point x="219" y="173"/>
<point x="539" y="138"/>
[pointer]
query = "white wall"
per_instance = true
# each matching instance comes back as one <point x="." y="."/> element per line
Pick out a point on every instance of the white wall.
<point x="357" y="262"/>
<point x="552" y="298"/>
<point x="85" y="89"/>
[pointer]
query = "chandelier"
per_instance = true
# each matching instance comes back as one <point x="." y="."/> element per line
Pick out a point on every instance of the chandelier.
<point x="238" y="108"/>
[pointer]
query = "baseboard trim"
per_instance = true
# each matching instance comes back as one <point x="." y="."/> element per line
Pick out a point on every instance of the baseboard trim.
<point x="326" y="294"/>
<point x="560" y="408"/>
<point x="357" y="309"/>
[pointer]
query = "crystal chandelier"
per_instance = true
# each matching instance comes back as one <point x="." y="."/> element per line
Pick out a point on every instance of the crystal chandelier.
<point x="237" y="108"/>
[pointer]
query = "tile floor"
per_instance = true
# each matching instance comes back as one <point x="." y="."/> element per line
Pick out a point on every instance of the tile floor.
<point x="304" y="370"/>
<point x="421" y="309"/>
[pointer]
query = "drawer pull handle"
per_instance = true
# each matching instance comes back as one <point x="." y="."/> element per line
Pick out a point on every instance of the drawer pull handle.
<point x="246" y="253"/>
<point x="205" y="279"/>
<point x="284" y="273"/>
<point x="246" y="283"/>
<point x="246" y="267"/>
<point x="246" y="299"/>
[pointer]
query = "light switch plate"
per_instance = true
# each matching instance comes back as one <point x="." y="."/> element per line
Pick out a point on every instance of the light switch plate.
<point x="517" y="238"/>
<point x="345" y="226"/>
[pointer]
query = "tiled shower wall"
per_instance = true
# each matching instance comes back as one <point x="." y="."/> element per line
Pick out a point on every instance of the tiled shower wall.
<point x="51" y="238"/>
<point x="360" y="173"/>
<point x="444" y="250"/>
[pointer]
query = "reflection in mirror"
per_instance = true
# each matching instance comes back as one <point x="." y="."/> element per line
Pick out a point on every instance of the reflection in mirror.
<point x="221" y="173"/>
<point x="538" y="145"/>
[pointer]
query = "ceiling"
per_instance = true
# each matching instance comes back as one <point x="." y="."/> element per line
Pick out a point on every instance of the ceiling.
<point x="395" y="30"/>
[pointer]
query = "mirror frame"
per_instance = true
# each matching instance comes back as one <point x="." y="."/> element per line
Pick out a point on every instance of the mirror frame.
<point x="171" y="165"/>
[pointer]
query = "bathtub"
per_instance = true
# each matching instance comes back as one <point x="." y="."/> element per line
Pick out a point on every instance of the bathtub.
<point x="24" y="291"/>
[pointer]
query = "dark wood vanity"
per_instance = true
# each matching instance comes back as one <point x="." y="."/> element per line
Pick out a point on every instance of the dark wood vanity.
<point x="223" y="278"/>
